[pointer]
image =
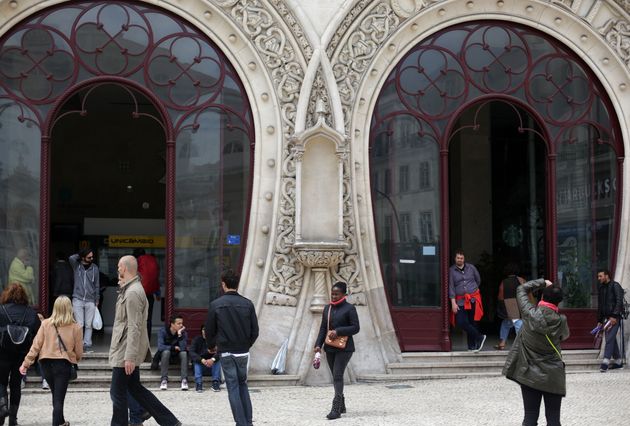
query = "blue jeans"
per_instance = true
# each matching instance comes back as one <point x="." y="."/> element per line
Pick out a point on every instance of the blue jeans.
<point x="214" y="371"/>
<point x="121" y="384"/>
<point x="612" y="348"/>
<point x="235" y="373"/>
<point x="506" y="326"/>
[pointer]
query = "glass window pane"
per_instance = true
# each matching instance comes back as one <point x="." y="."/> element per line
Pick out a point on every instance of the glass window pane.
<point x="586" y="194"/>
<point x="212" y="195"/>
<point x="405" y="214"/>
<point x="19" y="199"/>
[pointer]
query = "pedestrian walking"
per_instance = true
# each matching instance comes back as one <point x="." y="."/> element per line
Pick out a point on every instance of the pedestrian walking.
<point x="232" y="326"/>
<point x="14" y="311"/>
<point x="59" y="345"/>
<point x="510" y="318"/>
<point x="535" y="360"/>
<point x="130" y="347"/>
<point x="609" y="317"/>
<point x="340" y="322"/>
<point x="86" y="292"/>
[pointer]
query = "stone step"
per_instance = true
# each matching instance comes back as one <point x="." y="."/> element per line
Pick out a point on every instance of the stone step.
<point x="445" y="357"/>
<point x="391" y="378"/>
<point x="102" y="381"/>
<point x="480" y="366"/>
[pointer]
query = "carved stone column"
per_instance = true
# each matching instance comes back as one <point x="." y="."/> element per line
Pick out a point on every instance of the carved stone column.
<point x="320" y="257"/>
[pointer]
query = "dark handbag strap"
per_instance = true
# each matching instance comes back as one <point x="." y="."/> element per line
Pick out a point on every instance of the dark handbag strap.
<point x="60" y="339"/>
<point x="329" y="309"/>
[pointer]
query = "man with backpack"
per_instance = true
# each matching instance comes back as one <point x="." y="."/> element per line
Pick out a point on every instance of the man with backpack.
<point x="610" y="310"/>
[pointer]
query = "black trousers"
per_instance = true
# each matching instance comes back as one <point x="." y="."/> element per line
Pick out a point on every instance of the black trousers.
<point x="57" y="374"/>
<point x="11" y="378"/>
<point x="531" y="403"/>
<point x="337" y="362"/>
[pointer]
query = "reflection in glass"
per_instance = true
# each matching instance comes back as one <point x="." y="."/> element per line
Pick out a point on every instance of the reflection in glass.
<point x="586" y="176"/>
<point x="19" y="199"/>
<point x="212" y="195"/>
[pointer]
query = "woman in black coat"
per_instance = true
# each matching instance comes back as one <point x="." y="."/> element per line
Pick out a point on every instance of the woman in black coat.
<point x="339" y="321"/>
<point x="14" y="309"/>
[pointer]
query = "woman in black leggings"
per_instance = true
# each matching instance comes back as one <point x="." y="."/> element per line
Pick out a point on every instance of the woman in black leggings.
<point x="535" y="360"/>
<point x="339" y="322"/>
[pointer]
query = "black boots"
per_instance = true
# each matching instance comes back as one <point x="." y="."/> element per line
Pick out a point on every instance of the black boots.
<point x="342" y="409"/>
<point x="335" y="411"/>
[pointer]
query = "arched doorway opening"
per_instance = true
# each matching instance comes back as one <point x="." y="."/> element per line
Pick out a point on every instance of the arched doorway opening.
<point x="151" y="58"/>
<point x="419" y="214"/>
<point x="497" y="152"/>
<point x="107" y="185"/>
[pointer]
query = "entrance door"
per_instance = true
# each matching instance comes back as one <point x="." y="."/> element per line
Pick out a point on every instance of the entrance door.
<point x="497" y="196"/>
<point x="107" y="181"/>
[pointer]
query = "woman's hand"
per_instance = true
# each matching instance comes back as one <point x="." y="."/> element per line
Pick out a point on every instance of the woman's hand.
<point x="317" y="349"/>
<point x="548" y="283"/>
<point x="332" y="334"/>
<point x="23" y="370"/>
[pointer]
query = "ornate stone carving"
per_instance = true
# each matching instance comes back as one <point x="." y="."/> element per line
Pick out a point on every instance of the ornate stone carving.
<point x="617" y="35"/>
<point x="624" y="4"/>
<point x="319" y="258"/>
<point x="284" y="61"/>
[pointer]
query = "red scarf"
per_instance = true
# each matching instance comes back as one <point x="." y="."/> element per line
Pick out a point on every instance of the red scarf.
<point x="343" y="299"/>
<point x="548" y="305"/>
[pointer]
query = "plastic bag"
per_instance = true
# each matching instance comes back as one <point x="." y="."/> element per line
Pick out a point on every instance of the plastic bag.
<point x="97" y="322"/>
<point x="278" y="366"/>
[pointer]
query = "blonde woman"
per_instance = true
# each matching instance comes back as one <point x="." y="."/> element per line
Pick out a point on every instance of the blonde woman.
<point x="59" y="344"/>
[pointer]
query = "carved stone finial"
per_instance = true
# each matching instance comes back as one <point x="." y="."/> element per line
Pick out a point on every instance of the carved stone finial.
<point x="320" y="109"/>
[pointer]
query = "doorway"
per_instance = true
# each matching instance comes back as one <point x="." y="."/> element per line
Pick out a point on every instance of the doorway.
<point x="107" y="187"/>
<point x="498" y="197"/>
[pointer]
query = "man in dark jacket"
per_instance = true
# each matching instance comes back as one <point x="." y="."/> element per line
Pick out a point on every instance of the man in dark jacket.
<point x="172" y="346"/>
<point x="232" y="327"/>
<point x="610" y="306"/>
<point x="199" y="355"/>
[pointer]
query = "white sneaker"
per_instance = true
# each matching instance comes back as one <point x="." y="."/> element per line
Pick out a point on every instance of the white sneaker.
<point x="45" y="384"/>
<point x="164" y="385"/>
<point x="184" y="384"/>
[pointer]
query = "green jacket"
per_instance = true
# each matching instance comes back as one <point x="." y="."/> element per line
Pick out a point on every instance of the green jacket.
<point x="130" y="341"/>
<point x="532" y="361"/>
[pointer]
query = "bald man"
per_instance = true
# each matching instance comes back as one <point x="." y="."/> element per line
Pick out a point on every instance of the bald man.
<point x="130" y="347"/>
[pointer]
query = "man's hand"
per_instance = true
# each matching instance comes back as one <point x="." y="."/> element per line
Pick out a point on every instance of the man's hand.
<point x="129" y="367"/>
<point x="208" y="362"/>
<point x="454" y="306"/>
<point x="177" y="349"/>
<point x="613" y="321"/>
<point x="180" y="331"/>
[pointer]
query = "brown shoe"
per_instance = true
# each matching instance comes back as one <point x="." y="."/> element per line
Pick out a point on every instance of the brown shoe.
<point x="500" y="346"/>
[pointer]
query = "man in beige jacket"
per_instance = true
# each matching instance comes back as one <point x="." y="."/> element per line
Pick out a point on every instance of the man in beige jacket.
<point x="130" y="347"/>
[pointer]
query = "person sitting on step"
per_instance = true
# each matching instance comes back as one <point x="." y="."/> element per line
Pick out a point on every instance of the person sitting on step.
<point x="172" y="341"/>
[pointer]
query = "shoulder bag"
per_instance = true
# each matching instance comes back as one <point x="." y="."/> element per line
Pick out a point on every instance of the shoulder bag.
<point x="340" y="341"/>
<point x="15" y="333"/>
<point x="73" y="367"/>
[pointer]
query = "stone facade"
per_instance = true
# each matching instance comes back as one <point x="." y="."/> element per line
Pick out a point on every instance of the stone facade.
<point x="313" y="72"/>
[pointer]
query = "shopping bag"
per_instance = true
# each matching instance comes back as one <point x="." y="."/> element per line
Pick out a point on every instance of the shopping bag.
<point x="278" y="366"/>
<point x="97" y="322"/>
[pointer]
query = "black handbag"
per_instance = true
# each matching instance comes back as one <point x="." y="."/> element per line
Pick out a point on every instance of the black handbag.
<point x="73" y="367"/>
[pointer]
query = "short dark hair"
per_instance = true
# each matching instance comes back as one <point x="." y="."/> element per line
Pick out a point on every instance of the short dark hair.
<point x="343" y="287"/>
<point x="231" y="279"/>
<point x="85" y="251"/>
<point x="139" y="252"/>
<point x="460" y="251"/>
<point x="605" y="271"/>
<point x="175" y="317"/>
<point x="511" y="269"/>
<point x="552" y="294"/>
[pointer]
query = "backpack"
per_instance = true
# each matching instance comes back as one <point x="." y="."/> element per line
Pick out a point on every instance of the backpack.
<point x="14" y="336"/>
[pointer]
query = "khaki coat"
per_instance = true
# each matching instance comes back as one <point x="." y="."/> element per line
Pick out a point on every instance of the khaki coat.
<point x="130" y="341"/>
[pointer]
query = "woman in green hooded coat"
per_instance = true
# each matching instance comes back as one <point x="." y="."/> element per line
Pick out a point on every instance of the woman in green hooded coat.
<point x="535" y="360"/>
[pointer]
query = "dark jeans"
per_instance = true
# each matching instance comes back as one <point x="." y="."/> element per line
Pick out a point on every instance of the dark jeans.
<point x="201" y="370"/>
<point x="235" y="374"/>
<point x="466" y="321"/>
<point x="135" y="410"/>
<point x="10" y="377"/>
<point x="337" y="362"/>
<point x="121" y="384"/>
<point x="151" y="300"/>
<point x="57" y="374"/>
<point x="612" y="347"/>
<point x="531" y="403"/>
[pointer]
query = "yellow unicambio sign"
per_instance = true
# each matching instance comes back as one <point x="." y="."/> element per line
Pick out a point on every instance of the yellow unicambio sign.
<point x="133" y="241"/>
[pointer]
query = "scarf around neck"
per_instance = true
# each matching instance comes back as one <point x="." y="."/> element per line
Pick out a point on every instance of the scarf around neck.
<point x="343" y="299"/>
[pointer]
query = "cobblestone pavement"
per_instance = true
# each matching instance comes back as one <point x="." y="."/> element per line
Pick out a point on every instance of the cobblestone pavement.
<point x="593" y="399"/>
